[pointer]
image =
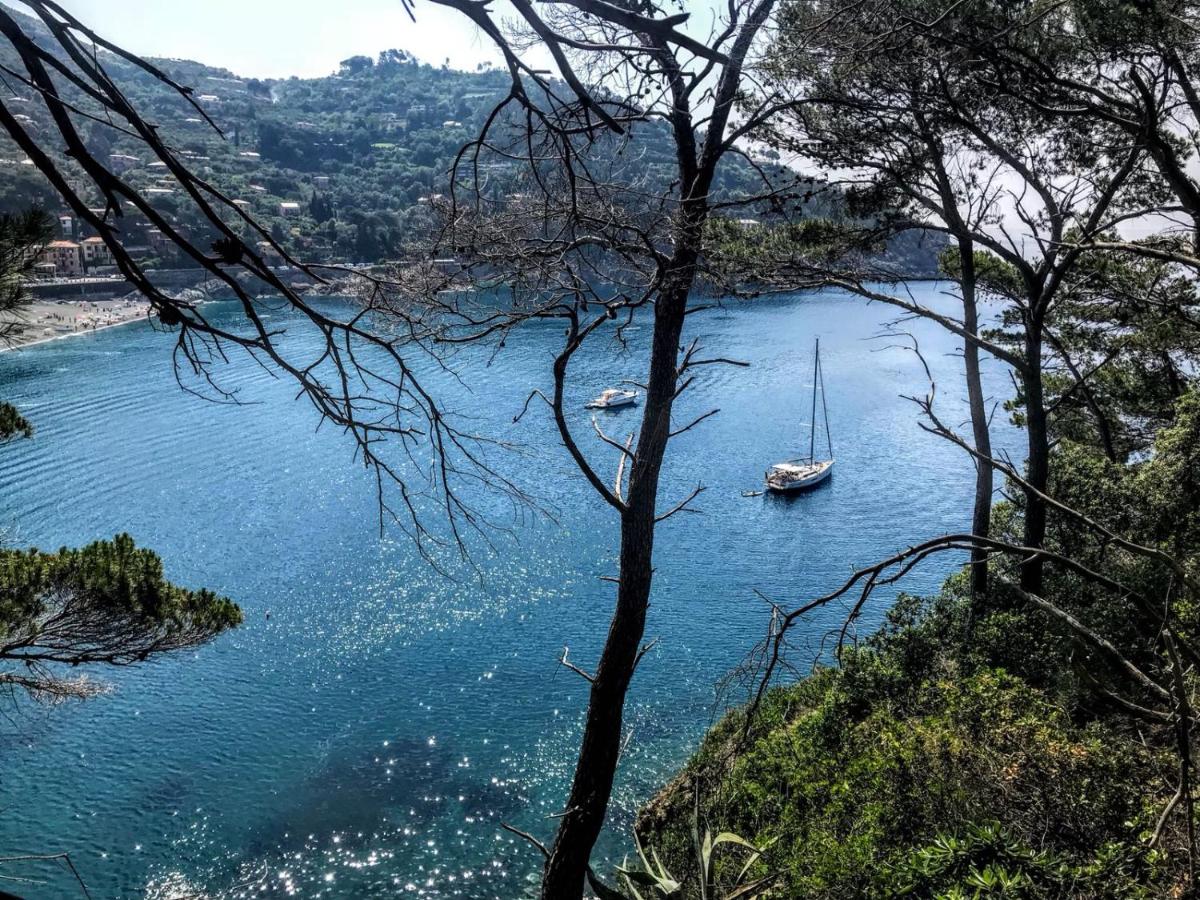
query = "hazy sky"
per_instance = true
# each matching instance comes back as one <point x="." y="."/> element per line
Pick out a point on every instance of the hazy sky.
<point x="277" y="38"/>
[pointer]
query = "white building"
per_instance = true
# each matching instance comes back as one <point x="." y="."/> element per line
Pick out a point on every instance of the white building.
<point x="123" y="162"/>
<point x="96" y="252"/>
<point x="65" y="256"/>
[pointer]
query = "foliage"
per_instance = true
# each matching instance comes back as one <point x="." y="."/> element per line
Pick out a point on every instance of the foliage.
<point x="851" y="773"/>
<point x="364" y="151"/>
<point x="22" y="234"/>
<point x="12" y="423"/>
<point x="974" y="750"/>
<point x="106" y="603"/>
<point x="654" y="876"/>
<point x="988" y="861"/>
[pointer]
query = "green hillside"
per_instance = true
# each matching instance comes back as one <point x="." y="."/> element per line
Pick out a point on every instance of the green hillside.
<point x="358" y="152"/>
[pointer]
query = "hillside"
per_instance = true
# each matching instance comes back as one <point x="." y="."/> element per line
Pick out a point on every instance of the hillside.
<point x="338" y="168"/>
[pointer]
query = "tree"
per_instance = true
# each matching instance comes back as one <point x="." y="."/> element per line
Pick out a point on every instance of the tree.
<point x="320" y="208"/>
<point x="1027" y="206"/>
<point x="591" y="241"/>
<point x="375" y="400"/>
<point x="106" y="604"/>
<point x="355" y="65"/>
<point x="879" y="113"/>
<point x="1128" y="65"/>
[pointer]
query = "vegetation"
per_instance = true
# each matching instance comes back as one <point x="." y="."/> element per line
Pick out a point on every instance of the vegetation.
<point x="1030" y="731"/>
<point x="104" y="604"/>
<point x="363" y="152"/>
<point x="862" y="777"/>
<point x="951" y="757"/>
<point x="1012" y="736"/>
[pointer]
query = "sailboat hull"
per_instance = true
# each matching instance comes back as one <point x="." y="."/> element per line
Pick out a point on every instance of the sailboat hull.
<point x="612" y="404"/>
<point x="794" y="476"/>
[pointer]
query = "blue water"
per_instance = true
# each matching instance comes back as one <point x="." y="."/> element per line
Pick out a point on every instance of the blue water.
<point x="369" y="736"/>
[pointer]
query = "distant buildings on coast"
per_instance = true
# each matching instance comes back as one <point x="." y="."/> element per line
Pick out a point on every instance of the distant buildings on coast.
<point x="72" y="259"/>
<point x="76" y="254"/>
<point x="80" y="253"/>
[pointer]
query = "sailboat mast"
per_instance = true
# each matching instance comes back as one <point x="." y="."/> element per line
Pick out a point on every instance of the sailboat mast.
<point x="825" y="413"/>
<point x="812" y="419"/>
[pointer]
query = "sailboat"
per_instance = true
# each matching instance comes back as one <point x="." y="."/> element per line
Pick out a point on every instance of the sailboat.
<point x="613" y="398"/>
<point x="806" y="472"/>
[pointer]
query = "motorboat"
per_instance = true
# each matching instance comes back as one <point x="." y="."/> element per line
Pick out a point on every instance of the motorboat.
<point x="614" y="398"/>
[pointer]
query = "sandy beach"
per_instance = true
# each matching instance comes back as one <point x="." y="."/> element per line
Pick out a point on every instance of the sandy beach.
<point x="52" y="320"/>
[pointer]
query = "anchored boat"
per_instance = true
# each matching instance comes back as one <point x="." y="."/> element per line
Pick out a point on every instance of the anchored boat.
<point x="806" y="472"/>
<point x="614" y="398"/>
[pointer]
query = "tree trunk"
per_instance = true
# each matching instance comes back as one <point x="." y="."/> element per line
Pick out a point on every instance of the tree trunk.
<point x="1037" y="471"/>
<point x="1175" y="384"/>
<point x="566" y="867"/>
<point x="1103" y="428"/>
<point x="567" y="864"/>
<point x="981" y="520"/>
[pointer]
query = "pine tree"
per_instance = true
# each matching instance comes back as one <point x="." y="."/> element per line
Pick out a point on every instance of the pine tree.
<point x="105" y="604"/>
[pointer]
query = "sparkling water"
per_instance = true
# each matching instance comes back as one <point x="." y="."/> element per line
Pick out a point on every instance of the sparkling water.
<point x="372" y="723"/>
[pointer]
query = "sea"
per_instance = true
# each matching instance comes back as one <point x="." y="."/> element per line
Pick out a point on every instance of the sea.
<point x="377" y="717"/>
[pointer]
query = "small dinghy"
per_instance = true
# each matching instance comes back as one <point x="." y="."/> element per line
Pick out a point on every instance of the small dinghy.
<point x="614" y="398"/>
<point x="805" y="472"/>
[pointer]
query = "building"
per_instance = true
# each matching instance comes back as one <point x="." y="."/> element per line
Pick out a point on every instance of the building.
<point x="158" y="241"/>
<point x="289" y="208"/>
<point x="321" y="181"/>
<point x="66" y="225"/>
<point x="123" y="162"/>
<point x="269" y="254"/>
<point x="96" y="253"/>
<point x="65" y="256"/>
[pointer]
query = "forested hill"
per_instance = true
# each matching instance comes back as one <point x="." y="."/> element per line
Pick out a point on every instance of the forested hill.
<point x="358" y="152"/>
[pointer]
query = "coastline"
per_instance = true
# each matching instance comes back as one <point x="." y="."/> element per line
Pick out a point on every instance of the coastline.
<point x="53" y="320"/>
<point x="23" y="345"/>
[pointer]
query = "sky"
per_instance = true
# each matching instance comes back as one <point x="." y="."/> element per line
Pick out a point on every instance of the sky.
<point x="279" y="38"/>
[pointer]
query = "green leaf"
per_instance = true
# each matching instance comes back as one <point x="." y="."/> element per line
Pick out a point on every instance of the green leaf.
<point x="602" y="890"/>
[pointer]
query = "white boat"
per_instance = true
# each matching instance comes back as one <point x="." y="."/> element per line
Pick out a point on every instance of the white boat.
<point x="798" y="474"/>
<point x="806" y="472"/>
<point x="614" y="398"/>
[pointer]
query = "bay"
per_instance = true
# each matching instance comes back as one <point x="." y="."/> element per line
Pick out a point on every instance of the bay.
<point x="372" y="722"/>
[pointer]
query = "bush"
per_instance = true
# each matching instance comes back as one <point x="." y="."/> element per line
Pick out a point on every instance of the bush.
<point x="909" y="772"/>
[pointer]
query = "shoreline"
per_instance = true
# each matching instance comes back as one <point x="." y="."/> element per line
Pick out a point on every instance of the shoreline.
<point x="45" y="321"/>
<point x="23" y="345"/>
